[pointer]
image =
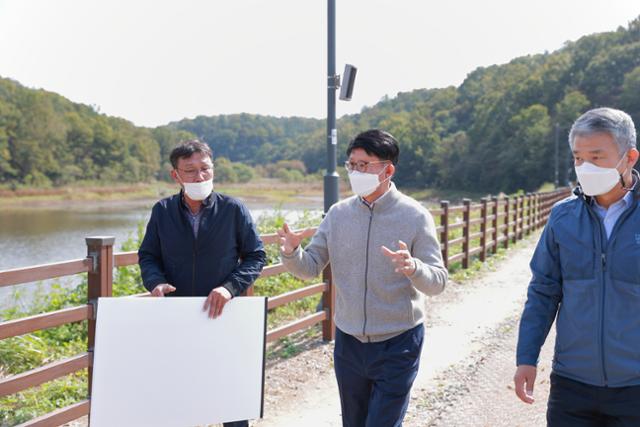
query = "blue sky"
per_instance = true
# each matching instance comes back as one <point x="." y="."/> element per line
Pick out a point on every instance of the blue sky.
<point x="152" y="62"/>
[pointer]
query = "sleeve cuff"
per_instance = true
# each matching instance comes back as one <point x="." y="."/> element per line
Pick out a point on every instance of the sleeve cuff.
<point x="526" y="360"/>
<point x="292" y="255"/>
<point x="151" y="285"/>
<point x="232" y="290"/>
<point x="417" y="264"/>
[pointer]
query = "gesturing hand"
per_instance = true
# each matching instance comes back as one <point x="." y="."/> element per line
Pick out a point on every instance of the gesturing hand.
<point x="216" y="301"/>
<point x="162" y="289"/>
<point x="523" y="380"/>
<point x="290" y="240"/>
<point x="401" y="258"/>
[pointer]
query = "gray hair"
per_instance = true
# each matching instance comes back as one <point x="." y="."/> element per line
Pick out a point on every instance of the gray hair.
<point x="616" y="123"/>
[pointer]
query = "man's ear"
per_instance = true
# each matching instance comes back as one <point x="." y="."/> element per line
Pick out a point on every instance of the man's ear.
<point x="632" y="157"/>
<point x="175" y="177"/>
<point x="391" y="170"/>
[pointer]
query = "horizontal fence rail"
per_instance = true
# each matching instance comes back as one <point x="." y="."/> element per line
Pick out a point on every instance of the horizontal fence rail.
<point x="466" y="231"/>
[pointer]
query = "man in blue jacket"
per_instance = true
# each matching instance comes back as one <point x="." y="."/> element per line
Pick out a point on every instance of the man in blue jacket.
<point x="586" y="275"/>
<point x="199" y="242"/>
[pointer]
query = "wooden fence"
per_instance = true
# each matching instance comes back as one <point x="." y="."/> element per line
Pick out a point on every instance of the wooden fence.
<point x="487" y="225"/>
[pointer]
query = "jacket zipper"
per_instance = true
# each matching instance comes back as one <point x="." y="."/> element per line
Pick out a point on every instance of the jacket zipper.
<point x="603" y="263"/>
<point x="620" y="220"/>
<point x="604" y="279"/>
<point x="195" y="253"/>
<point x="604" y="248"/>
<point x="366" y="274"/>
<point x="193" y="270"/>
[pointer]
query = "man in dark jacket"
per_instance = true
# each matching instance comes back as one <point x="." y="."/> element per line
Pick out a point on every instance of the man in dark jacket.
<point x="586" y="276"/>
<point x="198" y="242"/>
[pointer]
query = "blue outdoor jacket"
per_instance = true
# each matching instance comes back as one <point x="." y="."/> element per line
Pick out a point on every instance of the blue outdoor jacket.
<point x="593" y="285"/>
<point x="228" y="251"/>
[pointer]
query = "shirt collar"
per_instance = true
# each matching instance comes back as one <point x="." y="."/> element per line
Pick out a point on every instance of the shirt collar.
<point x="625" y="201"/>
<point x="205" y="203"/>
<point x="628" y="197"/>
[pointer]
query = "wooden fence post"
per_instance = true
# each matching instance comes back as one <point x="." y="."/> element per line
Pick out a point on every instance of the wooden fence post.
<point x="494" y="224"/>
<point x="534" y="199"/>
<point x="328" y="304"/>
<point x="466" y="243"/>
<point x="544" y="205"/>
<point x="444" y="236"/>
<point x="529" y="200"/>
<point x="484" y="213"/>
<point x="506" y="222"/>
<point x="538" y="196"/>
<point x="516" y="226"/>
<point x="100" y="284"/>
<point x="521" y="222"/>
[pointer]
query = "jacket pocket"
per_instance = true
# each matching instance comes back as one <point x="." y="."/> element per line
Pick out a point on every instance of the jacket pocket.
<point x="625" y="263"/>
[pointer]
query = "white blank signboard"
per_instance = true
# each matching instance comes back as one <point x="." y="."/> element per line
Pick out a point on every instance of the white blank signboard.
<point x="163" y="362"/>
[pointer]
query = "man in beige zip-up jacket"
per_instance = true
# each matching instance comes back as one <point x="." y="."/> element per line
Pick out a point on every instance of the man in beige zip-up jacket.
<point x="385" y="256"/>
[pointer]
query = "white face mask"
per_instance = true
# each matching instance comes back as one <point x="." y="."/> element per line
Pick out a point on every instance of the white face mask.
<point x="596" y="180"/>
<point x="198" y="190"/>
<point x="364" y="184"/>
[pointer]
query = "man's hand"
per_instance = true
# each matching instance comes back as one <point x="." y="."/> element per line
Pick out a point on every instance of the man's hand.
<point x="524" y="380"/>
<point x="216" y="301"/>
<point x="162" y="289"/>
<point x="401" y="258"/>
<point x="290" y="240"/>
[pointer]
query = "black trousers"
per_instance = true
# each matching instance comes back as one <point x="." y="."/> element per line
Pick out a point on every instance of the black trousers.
<point x="374" y="379"/>
<point x="575" y="404"/>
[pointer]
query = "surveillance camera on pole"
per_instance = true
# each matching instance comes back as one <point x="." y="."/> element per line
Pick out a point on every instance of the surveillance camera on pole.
<point x="348" y="81"/>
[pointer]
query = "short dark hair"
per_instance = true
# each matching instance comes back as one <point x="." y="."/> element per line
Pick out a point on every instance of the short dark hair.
<point x="186" y="149"/>
<point x="376" y="142"/>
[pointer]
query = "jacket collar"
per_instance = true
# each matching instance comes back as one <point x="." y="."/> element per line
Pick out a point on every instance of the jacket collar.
<point x="205" y="203"/>
<point x="384" y="202"/>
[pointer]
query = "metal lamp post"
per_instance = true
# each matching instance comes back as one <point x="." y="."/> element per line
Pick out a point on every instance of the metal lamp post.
<point x="331" y="177"/>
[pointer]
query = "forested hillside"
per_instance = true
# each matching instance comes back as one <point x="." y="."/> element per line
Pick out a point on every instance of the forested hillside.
<point x="495" y="132"/>
<point x="47" y="140"/>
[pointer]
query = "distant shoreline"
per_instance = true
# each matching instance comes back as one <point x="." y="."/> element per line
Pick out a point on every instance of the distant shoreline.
<point x="262" y="193"/>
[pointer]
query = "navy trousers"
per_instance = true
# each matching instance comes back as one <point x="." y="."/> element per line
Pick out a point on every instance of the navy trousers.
<point x="375" y="379"/>
<point x="575" y="404"/>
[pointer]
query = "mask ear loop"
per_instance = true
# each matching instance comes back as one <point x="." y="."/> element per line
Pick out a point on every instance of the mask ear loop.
<point x="180" y="181"/>
<point x="635" y="177"/>
<point x="387" y="178"/>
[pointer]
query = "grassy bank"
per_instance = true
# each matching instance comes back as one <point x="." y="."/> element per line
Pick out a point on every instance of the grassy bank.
<point x="264" y="190"/>
<point x="80" y="193"/>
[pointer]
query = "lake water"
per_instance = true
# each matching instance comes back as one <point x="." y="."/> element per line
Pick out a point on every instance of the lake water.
<point x="41" y="235"/>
